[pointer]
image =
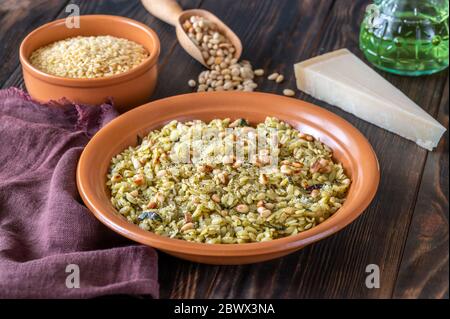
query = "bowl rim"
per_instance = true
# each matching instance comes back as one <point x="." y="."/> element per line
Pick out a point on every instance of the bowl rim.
<point x="133" y="232"/>
<point x="87" y="82"/>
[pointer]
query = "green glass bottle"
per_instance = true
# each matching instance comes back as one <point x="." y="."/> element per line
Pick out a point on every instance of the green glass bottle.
<point x="406" y="37"/>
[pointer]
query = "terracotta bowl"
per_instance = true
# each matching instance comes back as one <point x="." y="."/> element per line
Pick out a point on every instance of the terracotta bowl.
<point x="349" y="146"/>
<point x="129" y="89"/>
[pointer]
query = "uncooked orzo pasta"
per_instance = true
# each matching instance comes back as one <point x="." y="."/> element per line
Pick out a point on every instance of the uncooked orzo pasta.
<point x="201" y="193"/>
<point x="89" y="57"/>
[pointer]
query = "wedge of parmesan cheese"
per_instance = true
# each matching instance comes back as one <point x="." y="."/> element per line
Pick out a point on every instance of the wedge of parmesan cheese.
<point x="341" y="79"/>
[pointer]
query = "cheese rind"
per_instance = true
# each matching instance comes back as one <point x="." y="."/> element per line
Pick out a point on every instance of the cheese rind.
<point x="341" y="79"/>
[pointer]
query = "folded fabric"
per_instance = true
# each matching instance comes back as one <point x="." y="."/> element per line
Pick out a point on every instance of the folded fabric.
<point x="51" y="246"/>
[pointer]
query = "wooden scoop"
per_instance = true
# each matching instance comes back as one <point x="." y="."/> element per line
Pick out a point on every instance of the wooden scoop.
<point x="170" y="12"/>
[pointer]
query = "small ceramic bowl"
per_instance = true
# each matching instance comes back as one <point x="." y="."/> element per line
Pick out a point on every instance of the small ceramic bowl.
<point x="128" y="89"/>
<point x="348" y="144"/>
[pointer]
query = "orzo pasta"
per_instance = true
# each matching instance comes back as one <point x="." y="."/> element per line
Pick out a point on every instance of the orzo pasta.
<point x="89" y="57"/>
<point x="204" y="194"/>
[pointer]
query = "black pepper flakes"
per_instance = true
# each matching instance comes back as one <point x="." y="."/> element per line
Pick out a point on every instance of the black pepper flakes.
<point x="150" y="215"/>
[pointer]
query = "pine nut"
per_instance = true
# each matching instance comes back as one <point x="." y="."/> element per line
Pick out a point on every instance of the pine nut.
<point x="315" y="193"/>
<point x="187" y="217"/>
<point x="228" y="159"/>
<point x="288" y="92"/>
<point x="216" y="198"/>
<point x="228" y="85"/>
<point x="279" y="78"/>
<point x="161" y="173"/>
<point x="260" y="209"/>
<point x="284" y="169"/>
<point x="263" y="212"/>
<point x="263" y="179"/>
<point x="259" y="72"/>
<point x="160" y="198"/>
<point x="242" y="208"/>
<point x="186" y="227"/>
<point x="273" y="76"/>
<point x="218" y="54"/>
<point x="346" y="181"/>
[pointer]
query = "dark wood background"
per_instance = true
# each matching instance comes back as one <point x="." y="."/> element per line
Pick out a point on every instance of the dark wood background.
<point x="404" y="230"/>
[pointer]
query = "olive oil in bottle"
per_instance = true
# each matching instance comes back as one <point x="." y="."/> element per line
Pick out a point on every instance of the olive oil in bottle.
<point x="406" y="37"/>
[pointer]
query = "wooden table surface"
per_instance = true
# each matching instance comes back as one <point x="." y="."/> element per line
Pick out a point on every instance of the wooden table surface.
<point x="404" y="230"/>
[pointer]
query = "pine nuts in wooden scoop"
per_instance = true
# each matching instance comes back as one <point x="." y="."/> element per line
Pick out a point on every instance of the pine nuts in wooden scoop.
<point x="226" y="73"/>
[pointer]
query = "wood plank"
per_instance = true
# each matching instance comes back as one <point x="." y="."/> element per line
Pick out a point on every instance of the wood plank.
<point x="17" y="19"/>
<point x="379" y="235"/>
<point x="425" y="265"/>
<point x="272" y="34"/>
<point x="275" y="35"/>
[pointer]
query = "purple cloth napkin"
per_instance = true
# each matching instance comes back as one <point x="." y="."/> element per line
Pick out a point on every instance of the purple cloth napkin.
<point x="46" y="233"/>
